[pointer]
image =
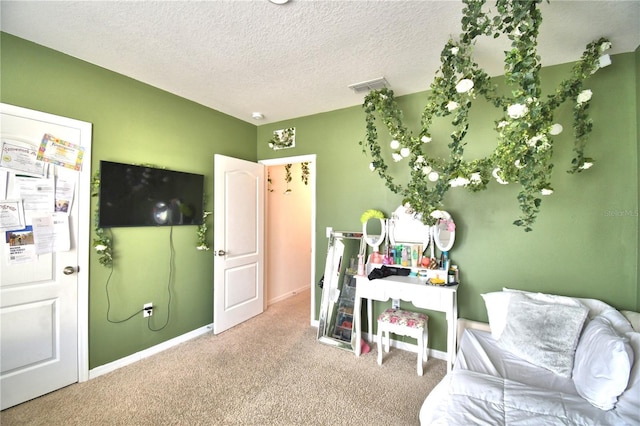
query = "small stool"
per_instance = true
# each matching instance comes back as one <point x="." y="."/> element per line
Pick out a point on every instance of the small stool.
<point x="404" y="323"/>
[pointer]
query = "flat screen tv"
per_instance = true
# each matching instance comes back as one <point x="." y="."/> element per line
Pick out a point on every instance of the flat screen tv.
<point x="146" y="196"/>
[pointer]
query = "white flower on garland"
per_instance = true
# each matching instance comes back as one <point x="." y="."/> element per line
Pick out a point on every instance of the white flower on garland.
<point x="534" y="140"/>
<point x="394" y="144"/>
<point x="396" y="157"/>
<point x="405" y="152"/>
<point x="464" y="85"/>
<point x="433" y="176"/>
<point x="502" y="124"/>
<point x="586" y="165"/>
<point x="605" y="46"/>
<point x="100" y="248"/>
<point x="454" y="50"/>
<point x="420" y="159"/>
<point x="556" y="129"/>
<point x="546" y="191"/>
<point x="517" y="110"/>
<point x="584" y="96"/>
<point x="518" y="164"/>
<point x="425" y="139"/>
<point x="372" y="167"/>
<point x="459" y="181"/>
<point x="452" y="106"/>
<point x="496" y="175"/>
<point x="475" y="178"/>
<point x="426" y="170"/>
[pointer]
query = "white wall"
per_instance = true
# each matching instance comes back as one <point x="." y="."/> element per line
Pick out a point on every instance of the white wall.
<point x="288" y="235"/>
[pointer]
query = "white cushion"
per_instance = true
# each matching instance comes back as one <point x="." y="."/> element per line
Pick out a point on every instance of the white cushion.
<point x="634" y="319"/>
<point x="602" y="363"/>
<point x="497" y="304"/>
<point x="544" y="334"/>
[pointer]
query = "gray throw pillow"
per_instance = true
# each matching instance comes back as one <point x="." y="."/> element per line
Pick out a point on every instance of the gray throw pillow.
<point x="544" y="334"/>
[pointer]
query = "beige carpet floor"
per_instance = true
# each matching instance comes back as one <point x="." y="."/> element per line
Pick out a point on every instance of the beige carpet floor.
<point x="269" y="370"/>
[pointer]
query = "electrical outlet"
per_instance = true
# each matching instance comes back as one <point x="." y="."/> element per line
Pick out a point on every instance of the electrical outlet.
<point x="147" y="310"/>
<point x="395" y="303"/>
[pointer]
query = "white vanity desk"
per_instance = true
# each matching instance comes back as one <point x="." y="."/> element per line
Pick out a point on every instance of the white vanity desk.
<point x="410" y="289"/>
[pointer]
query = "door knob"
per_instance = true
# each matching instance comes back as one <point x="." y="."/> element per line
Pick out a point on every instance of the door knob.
<point x="220" y="253"/>
<point x="69" y="270"/>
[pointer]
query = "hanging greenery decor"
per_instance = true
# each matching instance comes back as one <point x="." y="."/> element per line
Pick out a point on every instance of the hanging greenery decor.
<point x="101" y="242"/>
<point x="287" y="177"/>
<point x="304" y="176"/>
<point x="202" y="233"/>
<point x="304" y="168"/>
<point x="525" y="132"/>
<point x="283" y="138"/>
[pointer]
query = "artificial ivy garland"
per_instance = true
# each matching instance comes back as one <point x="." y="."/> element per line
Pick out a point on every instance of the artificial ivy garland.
<point x="202" y="233"/>
<point x="304" y="176"/>
<point x="525" y="145"/>
<point x="101" y="242"/>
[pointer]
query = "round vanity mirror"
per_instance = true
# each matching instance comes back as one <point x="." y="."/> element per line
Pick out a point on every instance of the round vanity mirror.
<point x="444" y="231"/>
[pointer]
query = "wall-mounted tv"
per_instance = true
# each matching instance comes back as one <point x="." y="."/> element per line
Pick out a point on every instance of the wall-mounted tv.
<point x="133" y="195"/>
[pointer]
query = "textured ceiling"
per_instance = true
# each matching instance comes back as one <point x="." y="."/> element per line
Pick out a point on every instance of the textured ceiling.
<point x="298" y="59"/>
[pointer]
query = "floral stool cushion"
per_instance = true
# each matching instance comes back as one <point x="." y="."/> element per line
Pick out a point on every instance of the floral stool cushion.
<point x="403" y="318"/>
<point x="406" y="323"/>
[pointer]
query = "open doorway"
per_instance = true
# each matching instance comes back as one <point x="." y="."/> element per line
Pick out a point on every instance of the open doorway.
<point x="290" y="217"/>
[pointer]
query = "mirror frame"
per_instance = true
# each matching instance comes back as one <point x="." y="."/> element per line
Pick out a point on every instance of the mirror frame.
<point x="408" y="224"/>
<point x="335" y="269"/>
<point x="369" y="239"/>
<point x="442" y="215"/>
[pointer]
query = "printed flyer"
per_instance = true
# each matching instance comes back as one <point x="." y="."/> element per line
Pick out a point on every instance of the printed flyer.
<point x="61" y="153"/>
<point x="21" y="245"/>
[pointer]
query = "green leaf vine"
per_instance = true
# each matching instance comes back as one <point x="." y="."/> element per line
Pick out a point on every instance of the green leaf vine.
<point x="525" y="132"/>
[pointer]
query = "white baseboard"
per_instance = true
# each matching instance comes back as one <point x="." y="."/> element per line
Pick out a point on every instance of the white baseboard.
<point x="122" y="362"/>
<point x="288" y="295"/>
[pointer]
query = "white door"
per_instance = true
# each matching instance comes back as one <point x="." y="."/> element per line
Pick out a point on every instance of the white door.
<point x="238" y="241"/>
<point x="43" y="331"/>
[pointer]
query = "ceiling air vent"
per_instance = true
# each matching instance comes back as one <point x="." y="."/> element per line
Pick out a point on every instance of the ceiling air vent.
<point x="367" y="86"/>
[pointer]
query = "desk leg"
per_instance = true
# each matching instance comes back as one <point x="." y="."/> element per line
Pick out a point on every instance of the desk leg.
<point x="370" y="319"/>
<point x="452" y="319"/>
<point x="357" y="328"/>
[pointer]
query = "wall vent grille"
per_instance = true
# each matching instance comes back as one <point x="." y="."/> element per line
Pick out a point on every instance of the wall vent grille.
<point x="367" y="86"/>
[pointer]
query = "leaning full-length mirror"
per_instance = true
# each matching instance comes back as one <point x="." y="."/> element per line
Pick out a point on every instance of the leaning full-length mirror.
<point x="339" y="289"/>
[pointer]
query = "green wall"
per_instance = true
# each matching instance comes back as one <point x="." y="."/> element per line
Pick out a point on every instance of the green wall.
<point x="133" y="123"/>
<point x="584" y="243"/>
<point x="585" y="240"/>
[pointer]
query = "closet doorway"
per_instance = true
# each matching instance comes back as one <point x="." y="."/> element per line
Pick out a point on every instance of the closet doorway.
<point x="290" y="218"/>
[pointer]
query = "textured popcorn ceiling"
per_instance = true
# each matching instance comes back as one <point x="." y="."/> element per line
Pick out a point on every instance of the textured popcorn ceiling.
<point x="297" y="59"/>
